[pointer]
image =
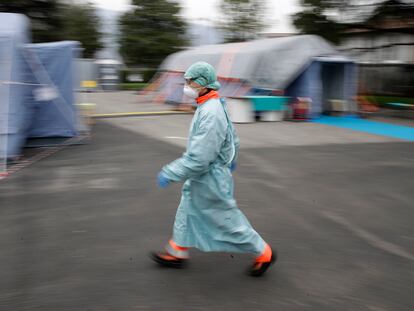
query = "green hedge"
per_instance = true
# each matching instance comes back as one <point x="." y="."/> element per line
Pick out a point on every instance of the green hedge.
<point x="384" y="100"/>
<point x="148" y="74"/>
<point x="133" y="86"/>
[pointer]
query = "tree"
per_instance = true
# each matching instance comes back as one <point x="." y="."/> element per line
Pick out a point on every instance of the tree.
<point x="151" y="31"/>
<point x="243" y="19"/>
<point x="53" y="20"/>
<point x="325" y="17"/>
<point x="310" y="22"/>
<point x="82" y="24"/>
<point x="45" y="17"/>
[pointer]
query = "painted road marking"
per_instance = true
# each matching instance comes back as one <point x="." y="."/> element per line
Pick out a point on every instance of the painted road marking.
<point x="137" y="114"/>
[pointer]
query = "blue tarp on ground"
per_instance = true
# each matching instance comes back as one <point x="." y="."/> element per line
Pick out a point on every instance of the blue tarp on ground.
<point x="368" y="126"/>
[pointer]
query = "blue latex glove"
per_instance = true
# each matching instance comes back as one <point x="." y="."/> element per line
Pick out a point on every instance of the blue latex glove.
<point x="163" y="182"/>
<point x="233" y="166"/>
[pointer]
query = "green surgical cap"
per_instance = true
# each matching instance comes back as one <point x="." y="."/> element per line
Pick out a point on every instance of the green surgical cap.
<point x="204" y="74"/>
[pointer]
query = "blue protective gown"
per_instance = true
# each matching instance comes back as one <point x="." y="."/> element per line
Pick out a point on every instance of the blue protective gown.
<point x="207" y="217"/>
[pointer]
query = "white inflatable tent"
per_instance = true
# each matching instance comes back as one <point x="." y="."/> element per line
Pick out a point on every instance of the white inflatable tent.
<point x="297" y="66"/>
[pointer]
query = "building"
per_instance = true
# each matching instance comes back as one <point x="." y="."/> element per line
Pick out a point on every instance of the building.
<point x="383" y="45"/>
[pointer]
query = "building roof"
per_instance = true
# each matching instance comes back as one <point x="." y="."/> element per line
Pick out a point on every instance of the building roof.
<point x="390" y="15"/>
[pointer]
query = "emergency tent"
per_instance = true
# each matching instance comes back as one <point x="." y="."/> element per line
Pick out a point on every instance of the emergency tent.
<point x="50" y="67"/>
<point x="14" y="33"/>
<point x="36" y="87"/>
<point x="305" y="66"/>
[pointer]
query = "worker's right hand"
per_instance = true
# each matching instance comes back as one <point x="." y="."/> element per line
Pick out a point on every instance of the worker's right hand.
<point x="163" y="181"/>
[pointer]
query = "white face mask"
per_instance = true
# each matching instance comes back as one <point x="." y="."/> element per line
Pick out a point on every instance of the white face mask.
<point x="190" y="92"/>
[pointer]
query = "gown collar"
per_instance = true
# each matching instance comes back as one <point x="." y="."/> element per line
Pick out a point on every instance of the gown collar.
<point x="202" y="99"/>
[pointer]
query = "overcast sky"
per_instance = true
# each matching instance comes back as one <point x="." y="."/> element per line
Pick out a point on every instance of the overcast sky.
<point x="206" y="10"/>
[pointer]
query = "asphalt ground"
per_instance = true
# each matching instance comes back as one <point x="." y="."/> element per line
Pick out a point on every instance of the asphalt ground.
<point x="76" y="228"/>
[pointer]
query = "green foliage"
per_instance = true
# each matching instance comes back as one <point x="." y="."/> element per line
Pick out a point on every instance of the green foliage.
<point x="384" y="101"/>
<point x="313" y="23"/>
<point x="53" y="20"/>
<point x="82" y="24"/>
<point x="148" y="74"/>
<point x="243" y="19"/>
<point x="133" y="86"/>
<point x="45" y="16"/>
<point x="314" y="19"/>
<point x="150" y="32"/>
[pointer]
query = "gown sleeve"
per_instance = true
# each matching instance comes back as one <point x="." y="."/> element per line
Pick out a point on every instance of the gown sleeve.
<point x="203" y="148"/>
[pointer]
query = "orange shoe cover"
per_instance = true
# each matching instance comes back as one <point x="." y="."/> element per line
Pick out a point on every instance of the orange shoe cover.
<point x="266" y="256"/>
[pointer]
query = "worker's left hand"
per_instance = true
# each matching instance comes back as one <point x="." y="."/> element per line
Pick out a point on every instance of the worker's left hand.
<point x="233" y="166"/>
<point x="163" y="181"/>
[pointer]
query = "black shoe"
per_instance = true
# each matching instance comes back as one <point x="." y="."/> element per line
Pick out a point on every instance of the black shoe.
<point x="259" y="268"/>
<point x="166" y="260"/>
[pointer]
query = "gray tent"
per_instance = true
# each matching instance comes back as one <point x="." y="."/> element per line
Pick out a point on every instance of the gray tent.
<point x="297" y="66"/>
